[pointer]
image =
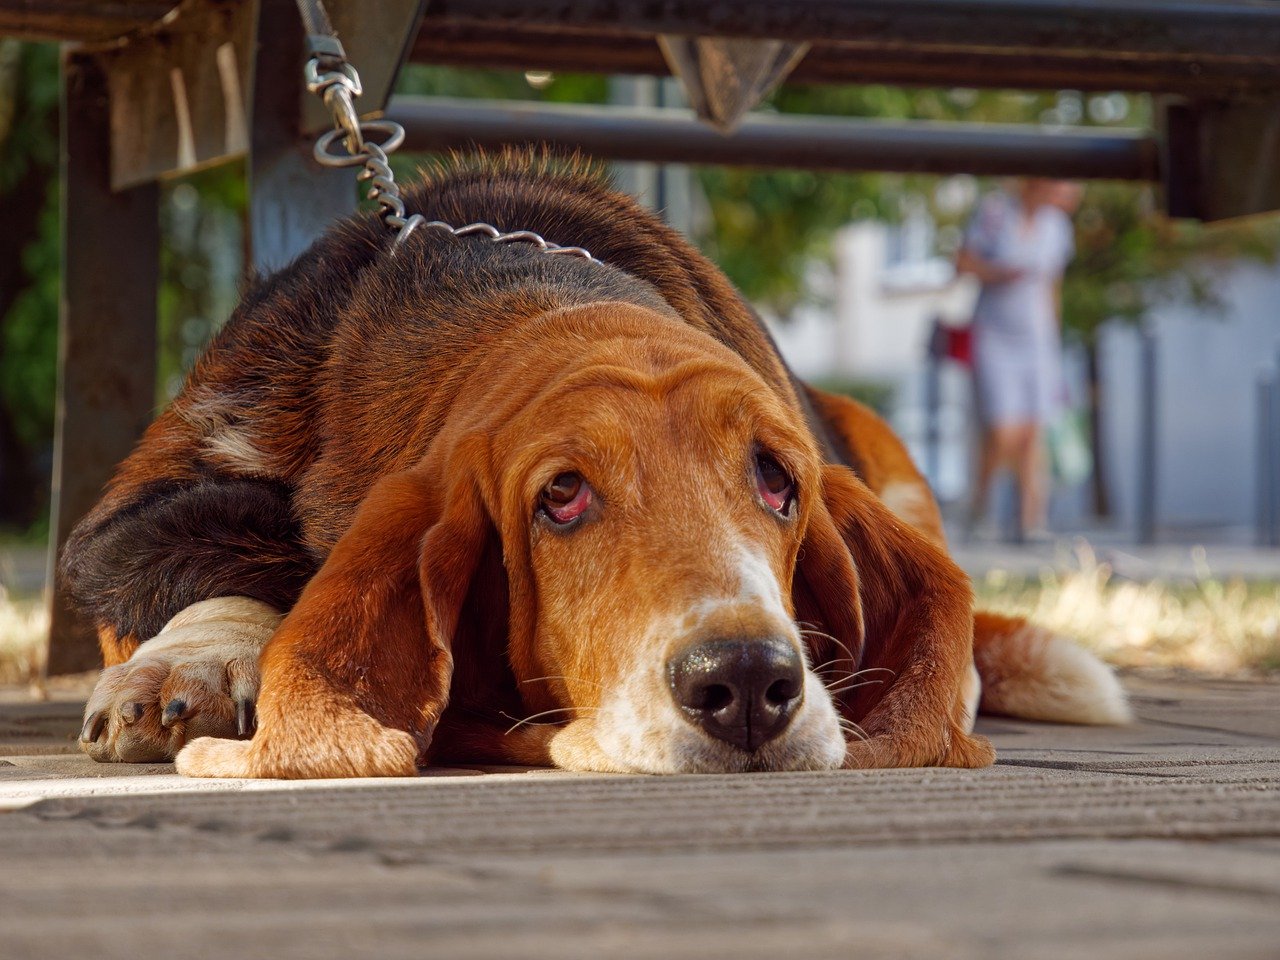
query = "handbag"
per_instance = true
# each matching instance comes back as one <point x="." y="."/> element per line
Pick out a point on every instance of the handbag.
<point x="1070" y="456"/>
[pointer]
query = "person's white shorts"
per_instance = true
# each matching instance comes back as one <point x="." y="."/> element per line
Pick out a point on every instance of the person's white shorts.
<point x="1016" y="382"/>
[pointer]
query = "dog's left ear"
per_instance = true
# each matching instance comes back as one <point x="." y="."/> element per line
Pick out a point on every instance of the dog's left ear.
<point x="824" y="593"/>
<point x="357" y="676"/>
<point x="913" y="609"/>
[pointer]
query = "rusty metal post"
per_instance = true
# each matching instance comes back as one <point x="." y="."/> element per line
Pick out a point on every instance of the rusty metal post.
<point x="1268" y="532"/>
<point x="1148" y="444"/>
<point x="291" y="197"/>
<point x="106" y="333"/>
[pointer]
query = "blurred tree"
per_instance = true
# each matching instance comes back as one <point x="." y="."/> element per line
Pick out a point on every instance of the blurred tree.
<point x="768" y="225"/>
<point x="28" y="275"/>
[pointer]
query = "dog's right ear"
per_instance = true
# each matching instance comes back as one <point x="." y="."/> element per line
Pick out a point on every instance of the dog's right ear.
<point x="358" y="675"/>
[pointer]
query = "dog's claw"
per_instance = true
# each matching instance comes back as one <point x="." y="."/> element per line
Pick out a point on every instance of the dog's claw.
<point x="173" y="712"/>
<point x="131" y="713"/>
<point x="246" y="716"/>
<point x="94" y="724"/>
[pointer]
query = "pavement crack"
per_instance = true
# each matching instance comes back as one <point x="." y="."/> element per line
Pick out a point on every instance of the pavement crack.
<point x="1167" y="881"/>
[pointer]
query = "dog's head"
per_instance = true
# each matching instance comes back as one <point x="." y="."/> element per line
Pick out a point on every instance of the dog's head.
<point x="665" y="542"/>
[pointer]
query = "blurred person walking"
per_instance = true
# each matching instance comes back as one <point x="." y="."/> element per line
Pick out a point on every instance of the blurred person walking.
<point x="1018" y="243"/>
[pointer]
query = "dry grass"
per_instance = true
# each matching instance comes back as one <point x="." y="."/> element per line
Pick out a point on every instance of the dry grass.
<point x="1207" y="625"/>
<point x="24" y="623"/>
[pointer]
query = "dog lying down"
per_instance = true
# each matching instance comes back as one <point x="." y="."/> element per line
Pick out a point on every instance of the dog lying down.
<point x="481" y="503"/>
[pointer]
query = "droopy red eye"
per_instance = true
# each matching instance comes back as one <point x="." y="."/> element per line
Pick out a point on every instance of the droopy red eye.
<point x="773" y="483"/>
<point x="566" y="497"/>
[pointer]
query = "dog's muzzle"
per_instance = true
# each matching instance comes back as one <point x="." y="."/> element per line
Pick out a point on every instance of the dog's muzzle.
<point x="743" y="692"/>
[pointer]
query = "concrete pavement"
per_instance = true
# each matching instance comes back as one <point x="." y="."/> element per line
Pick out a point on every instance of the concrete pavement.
<point x="1158" y="840"/>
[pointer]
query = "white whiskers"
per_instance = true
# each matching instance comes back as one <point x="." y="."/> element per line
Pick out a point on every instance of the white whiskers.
<point x="556" y="676"/>
<point x="545" y="713"/>
<point x="851" y="729"/>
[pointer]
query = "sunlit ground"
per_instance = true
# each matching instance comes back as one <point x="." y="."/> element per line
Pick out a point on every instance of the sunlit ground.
<point x="24" y="621"/>
<point x="1208" y="626"/>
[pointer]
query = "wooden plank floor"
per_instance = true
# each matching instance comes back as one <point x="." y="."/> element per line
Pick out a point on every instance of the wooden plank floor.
<point x="1158" y="840"/>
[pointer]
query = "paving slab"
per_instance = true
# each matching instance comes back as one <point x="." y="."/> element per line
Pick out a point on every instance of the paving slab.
<point x="1159" y="839"/>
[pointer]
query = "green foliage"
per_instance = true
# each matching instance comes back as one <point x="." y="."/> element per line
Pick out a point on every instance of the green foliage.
<point x="29" y="351"/>
<point x="767" y="225"/>
<point x="202" y="222"/>
<point x="1130" y="259"/>
<point x="876" y="394"/>
<point x="425" y="80"/>
<point x="28" y="330"/>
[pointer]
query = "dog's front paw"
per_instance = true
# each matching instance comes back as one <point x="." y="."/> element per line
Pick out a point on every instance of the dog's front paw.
<point x="952" y="749"/>
<point x="198" y="677"/>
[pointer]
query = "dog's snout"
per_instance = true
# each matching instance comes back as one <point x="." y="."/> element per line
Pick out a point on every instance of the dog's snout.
<point x="743" y="692"/>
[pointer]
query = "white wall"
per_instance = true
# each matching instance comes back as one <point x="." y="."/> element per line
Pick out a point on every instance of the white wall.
<point x="1207" y="373"/>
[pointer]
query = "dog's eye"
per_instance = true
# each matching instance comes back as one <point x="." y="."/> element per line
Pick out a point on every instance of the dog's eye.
<point x="566" y="497"/>
<point x="773" y="483"/>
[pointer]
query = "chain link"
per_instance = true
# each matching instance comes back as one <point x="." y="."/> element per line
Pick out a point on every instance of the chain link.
<point x="338" y="85"/>
<point x="497" y="236"/>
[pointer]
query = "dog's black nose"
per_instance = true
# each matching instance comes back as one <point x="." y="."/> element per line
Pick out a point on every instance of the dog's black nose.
<point x="743" y="692"/>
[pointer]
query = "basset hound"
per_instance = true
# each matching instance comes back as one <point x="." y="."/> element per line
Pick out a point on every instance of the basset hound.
<point x="475" y="502"/>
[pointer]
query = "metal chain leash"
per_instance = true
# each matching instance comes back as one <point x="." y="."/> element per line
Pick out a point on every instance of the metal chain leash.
<point x="333" y="79"/>
<point x="330" y="77"/>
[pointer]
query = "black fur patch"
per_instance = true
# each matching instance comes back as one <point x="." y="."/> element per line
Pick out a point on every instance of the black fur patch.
<point x="179" y="545"/>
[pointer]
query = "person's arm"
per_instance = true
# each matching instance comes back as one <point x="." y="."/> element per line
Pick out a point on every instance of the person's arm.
<point x="985" y="270"/>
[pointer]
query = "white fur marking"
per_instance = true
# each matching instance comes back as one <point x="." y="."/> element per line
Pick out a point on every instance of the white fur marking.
<point x="225" y="627"/>
<point x="909" y="499"/>
<point x="234" y="447"/>
<point x="970" y="695"/>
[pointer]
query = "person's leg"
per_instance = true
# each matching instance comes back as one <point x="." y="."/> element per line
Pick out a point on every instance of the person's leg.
<point x="999" y="450"/>
<point x="991" y="395"/>
<point x="1030" y="471"/>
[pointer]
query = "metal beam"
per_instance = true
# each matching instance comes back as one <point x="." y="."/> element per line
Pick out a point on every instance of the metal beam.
<point x="470" y="43"/>
<point x="78" y="19"/>
<point x="820" y="143"/>
<point x="106" y="333"/>
<point x="1193" y="29"/>
<point x="179" y="92"/>
<point x="1221" y="159"/>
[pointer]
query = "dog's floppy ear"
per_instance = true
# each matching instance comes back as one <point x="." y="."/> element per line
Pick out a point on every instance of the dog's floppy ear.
<point x="916" y="627"/>
<point x="356" y="678"/>
<point x="824" y="593"/>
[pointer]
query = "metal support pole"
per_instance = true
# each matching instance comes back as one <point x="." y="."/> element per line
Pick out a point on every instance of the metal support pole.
<point x="1148" y="424"/>
<point x="933" y="405"/>
<point x="1273" y="445"/>
<point x="291" y="197"/>
<point x="1268" y="529"/>
<point x="106" y="331"/>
